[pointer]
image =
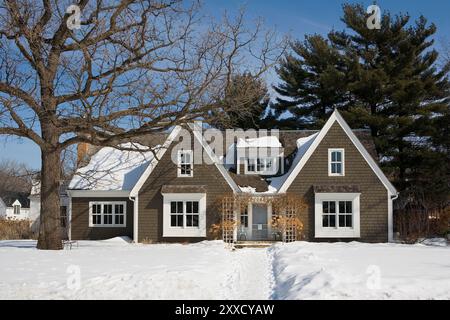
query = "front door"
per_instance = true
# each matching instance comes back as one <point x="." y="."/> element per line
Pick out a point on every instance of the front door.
<point x="259" y="222"/>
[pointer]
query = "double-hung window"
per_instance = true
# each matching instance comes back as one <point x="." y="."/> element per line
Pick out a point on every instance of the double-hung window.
<point x="336" y="163"/>
<point x="244" y="217"/>
<point x="337" y="215"/>
<point x="17" y="209"/>
<point x="184" y="215"/>
<point x="260" y="166"/>
<point x="107" y="214"/>
<point x="185" y="163"/>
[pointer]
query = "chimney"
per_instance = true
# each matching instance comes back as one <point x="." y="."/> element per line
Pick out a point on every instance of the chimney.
<point x="82" y="152"/>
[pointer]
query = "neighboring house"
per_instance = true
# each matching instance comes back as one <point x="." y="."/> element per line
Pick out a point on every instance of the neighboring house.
<point x="35" y="205"/>
<point x="148" y="197"/>
<point x="14" y="205"/>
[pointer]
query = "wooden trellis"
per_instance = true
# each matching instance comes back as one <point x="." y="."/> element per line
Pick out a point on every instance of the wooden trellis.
<point x="290" y="231"/>
<point x="287" y="207"/>
<point x="228" y="219"/>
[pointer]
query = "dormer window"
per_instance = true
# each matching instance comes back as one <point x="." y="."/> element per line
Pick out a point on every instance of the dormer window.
<point x="336" y="164"/>
<point x="260" y="166"/>
<point x="17" y="209"/>
<point x="185" y="163"/>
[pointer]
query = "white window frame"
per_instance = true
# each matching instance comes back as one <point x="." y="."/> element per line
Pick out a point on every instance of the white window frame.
<point x="103" y="225"/>
<point x="342" y="162"/>
<point x="18" y="211"/>
<point x="337" y="232"/>
<point x="264" y="159"/>
<point x="184" y="231"/>
<point x="191" y="163"/>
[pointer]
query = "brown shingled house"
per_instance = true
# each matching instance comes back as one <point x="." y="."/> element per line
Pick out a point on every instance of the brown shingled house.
<point x="167" y="190"/>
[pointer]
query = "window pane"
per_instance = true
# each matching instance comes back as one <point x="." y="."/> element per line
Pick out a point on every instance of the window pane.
<point x="107" y="219"/>
<point x="173" y="207"/>
<point x="179" y="220"/>
<point x="119" y="208"/>
<point x="96" y="219"/>
<point x="195" y="220"/>
<point x="244" y="221"/>
<point x="325" y="207"/>
<point x="107" y="209"/>
<point x="173" y="221"/>
<point x="325" y="221"/>
<point x="342" y="220"/>
<point x="179" y="206"/>
<point x="118" y="219"/>
<point x="195" y="207"/>
<point x="333" y="221"/>
<point x="188" y="207"/>
<point x="332" y="207"/>
<point x="333" y="168"/>
<point x="338" y="156"/>
<point x="341" y="206"/>
<point x="96" y="208"/>
<point x="348" y="220"/>
<point x="189" y="220"/>
<point x="348" y="205"/>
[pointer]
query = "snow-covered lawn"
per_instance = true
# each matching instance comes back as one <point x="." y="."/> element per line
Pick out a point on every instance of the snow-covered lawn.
<point x="360" y="271"/>
<point x="207" y="270"/>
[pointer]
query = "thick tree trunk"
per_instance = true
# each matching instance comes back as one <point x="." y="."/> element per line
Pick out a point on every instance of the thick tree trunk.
<point x="49" y="229"/>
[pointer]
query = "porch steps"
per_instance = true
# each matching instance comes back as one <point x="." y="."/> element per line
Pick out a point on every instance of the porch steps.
<point x="253" y="244"/>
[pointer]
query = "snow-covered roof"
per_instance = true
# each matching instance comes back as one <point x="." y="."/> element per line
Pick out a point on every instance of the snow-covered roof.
<point x="113" y="169"/>
<point x="260" y="142"/>
<point x="303" y="145"/>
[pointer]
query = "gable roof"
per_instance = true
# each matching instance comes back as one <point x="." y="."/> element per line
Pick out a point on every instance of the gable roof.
<point x="10" y="197"/>
<point x="336" y="117"/>
<point x="197" y="135"/>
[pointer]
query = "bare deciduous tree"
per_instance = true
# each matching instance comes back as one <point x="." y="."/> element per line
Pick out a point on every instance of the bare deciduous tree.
<point x="134" y="67"/>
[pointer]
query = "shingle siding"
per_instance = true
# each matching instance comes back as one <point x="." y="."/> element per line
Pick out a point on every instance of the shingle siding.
<point x="374" y="197"/>
<point x="151" y="200"/>
<point x="80" y="221"/>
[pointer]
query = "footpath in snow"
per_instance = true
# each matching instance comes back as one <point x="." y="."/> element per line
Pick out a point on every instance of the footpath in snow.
<point x="114" y="269"/>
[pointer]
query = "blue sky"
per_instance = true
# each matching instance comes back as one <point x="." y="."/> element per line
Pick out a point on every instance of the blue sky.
<point x="287" y="16"/>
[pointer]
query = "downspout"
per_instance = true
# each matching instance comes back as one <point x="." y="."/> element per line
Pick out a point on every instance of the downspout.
<point x="391" y="216"/>
<point x="70" y="216"/>
<point x="135" y="217"/>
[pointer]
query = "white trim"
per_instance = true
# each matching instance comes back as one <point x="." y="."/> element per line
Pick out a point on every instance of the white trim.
<point x="179" y="163"/>
<point x="161" y="151"/>
<point x="98" y="193"/>
<point x="336" y="117"/>
<point x="185" y="231"/>
<point x="113" y="225"/>
<point x="135" y="218"/>
<point x="342" y="162"/>
<point x="337" y="232"/>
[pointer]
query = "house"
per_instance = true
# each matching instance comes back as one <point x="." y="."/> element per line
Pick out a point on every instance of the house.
<point x="35" y="205"/>
<point x="14" y="205"/>
<point x="176" y="187"/>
